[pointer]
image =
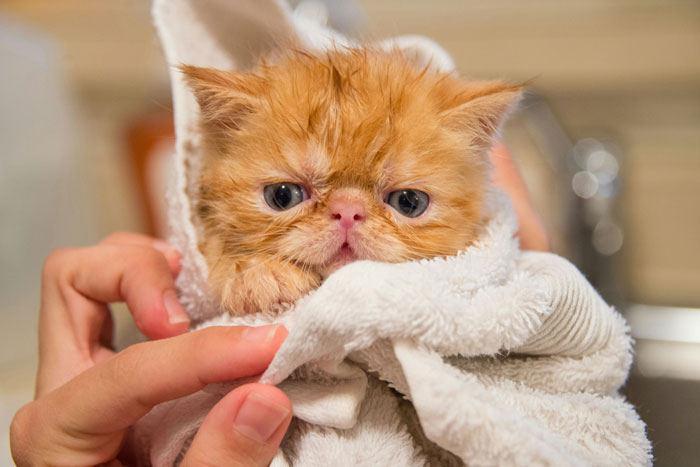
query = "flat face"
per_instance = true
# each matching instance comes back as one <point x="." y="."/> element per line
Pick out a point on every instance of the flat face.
<point x="313" y="162"/>
<point x="347" y="129"/>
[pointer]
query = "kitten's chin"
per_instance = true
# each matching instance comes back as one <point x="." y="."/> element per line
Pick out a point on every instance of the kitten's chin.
<point x="344" y="255"/>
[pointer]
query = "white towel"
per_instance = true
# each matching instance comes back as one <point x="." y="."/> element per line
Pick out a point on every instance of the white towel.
<point x="491" y="357"/>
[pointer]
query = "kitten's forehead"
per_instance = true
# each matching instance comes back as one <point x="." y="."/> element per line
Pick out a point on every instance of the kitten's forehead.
<point x="346" y="166"/>
<point x="309" y="161"/>
<point x="360" y="118"/>
<point x="356" y="153"/>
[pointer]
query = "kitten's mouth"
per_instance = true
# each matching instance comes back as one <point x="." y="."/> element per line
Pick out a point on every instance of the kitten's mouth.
<point x="343" y="256"/>
<point x="345" y="253"/>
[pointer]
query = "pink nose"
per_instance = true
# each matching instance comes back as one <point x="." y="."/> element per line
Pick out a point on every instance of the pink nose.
<point x="348" y="213"/>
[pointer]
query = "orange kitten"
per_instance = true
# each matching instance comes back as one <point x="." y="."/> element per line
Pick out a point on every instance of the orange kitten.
<point x="315" y="161"/>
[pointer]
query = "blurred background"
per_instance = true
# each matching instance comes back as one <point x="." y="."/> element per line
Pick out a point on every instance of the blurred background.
<point x="608" y="141"/>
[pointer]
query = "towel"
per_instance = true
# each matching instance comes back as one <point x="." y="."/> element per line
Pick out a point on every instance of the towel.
<point x="492" y="357"/>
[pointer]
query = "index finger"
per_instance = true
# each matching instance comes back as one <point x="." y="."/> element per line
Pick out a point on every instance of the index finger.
<point x="172" y="256"/>
<point x="114" y="395"/>
<point x="76" y="286"/>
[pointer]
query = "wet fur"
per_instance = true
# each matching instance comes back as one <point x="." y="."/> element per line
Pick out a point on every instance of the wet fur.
<point x="350" y="123"/>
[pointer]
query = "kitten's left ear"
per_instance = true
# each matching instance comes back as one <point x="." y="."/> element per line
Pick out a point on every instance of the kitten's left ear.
<point x="481" y="109"/>
<point x="225" y="98"/>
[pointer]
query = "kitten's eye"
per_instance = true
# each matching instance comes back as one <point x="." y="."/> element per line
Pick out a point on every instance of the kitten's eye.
<point x="410" y="203"/>
<point x="285" y="195"/>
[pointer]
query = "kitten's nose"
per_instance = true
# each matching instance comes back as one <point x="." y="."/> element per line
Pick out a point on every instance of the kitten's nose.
<point x="348" y="213"/>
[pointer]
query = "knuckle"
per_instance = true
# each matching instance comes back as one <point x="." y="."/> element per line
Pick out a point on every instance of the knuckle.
<point x="204" y="343"/>
<point x="132" y="364"/>
<point x="150" y="259"/>
<point x="57" y="261"/>
<point x="143" y="262"/>
<point x="125" y="364"/>
<point x="126" y="360"/>
<point x="156" y="257"/>
<point x="200" y="341"/>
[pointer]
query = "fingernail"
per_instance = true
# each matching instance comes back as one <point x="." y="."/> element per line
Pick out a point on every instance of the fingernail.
<point x="176" y="314"/>
<point x="262" y="334"/>
<point x="259" y="417"/>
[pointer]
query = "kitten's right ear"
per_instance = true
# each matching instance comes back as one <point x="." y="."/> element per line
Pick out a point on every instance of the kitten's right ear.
<point x="225" y="97"/>
<point x="480" y="108"/>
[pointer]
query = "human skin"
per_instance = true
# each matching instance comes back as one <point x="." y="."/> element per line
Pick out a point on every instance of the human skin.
<point x="85" y="397"/>
<point x="506" y="175"/>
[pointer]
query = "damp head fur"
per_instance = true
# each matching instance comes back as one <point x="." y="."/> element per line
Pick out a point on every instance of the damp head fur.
<point x="312" y="161"/>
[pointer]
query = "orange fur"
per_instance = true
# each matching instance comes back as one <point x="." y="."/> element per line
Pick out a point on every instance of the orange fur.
<point x="352" y="124"/>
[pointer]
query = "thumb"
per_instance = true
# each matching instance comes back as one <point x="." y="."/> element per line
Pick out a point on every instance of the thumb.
<point x="244" y="428"/>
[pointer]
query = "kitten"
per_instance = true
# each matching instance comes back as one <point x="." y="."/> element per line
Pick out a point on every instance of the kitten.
<point x="316" y="161"/>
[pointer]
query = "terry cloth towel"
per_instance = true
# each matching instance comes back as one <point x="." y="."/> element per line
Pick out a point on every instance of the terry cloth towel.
<point x="491" y="357"/>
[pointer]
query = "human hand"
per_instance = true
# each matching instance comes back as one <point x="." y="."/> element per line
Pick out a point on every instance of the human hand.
<point x="87" y="396"/>
<point x="506" y="175"/>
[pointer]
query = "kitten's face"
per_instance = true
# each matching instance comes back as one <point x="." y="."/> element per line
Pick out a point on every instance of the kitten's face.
<point x="356" y="155"/>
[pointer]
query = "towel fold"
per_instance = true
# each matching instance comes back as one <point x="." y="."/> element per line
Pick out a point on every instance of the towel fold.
<point x="506" y="357"/>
